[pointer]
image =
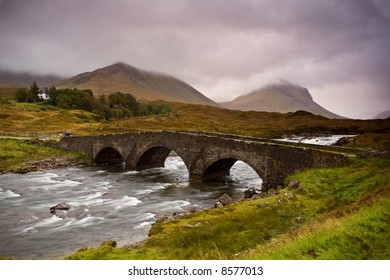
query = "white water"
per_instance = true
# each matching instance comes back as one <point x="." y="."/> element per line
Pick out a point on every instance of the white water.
<point x="318" y="140"/>
<point x="106" y="204"/>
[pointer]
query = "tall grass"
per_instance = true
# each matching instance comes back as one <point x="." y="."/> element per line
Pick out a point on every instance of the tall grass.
<point x="341" y="213"/>
<point x="362" y="235"/>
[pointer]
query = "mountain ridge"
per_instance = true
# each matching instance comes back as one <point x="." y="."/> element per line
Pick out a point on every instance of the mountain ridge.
<point x="282" y="97"/>
<point x="9" y="79"/>
<point x="144" y="85"/>
<point x="383" y="115"/>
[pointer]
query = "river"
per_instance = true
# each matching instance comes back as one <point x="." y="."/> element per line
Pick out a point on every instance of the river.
<point x="107" y="203"/>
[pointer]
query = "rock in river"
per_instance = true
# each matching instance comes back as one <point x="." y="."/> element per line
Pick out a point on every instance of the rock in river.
<point x="60" y="210"/>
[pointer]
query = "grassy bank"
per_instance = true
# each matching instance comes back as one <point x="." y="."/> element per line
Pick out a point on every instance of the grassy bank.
<point x="21" y="155"/>
<point x="339" y="213"/>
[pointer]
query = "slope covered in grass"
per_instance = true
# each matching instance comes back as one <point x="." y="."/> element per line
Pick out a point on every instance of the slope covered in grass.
<point x="339" y="213"/>
<point x="20" y="119"/>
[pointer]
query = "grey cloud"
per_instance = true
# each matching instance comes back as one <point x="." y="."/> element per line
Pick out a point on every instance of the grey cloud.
<point x="223" y="47"/>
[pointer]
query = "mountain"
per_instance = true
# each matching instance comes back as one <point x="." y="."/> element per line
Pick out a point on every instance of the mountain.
<point x="383" y="115"/>
<point x="143" y="85"/>
<point x="282" y="97"/>
<point x="14" y="80"/>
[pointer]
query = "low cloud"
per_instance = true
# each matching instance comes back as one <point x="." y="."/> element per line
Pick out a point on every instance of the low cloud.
<point x="224" y="48"/>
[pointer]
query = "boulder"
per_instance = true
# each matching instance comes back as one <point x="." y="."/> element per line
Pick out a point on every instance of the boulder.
<point x="344" y="141"/>
<point x="61" y="213"/>
<point x="193" y="210"/>
<point x="161" y="218"/>
<point x="60" y="210"/>
<point x="369" y="153"/>
<point x="262" y="205"/>
<point x="177" y="214"/>
<point x="218" y="204"/>
<point x="225" y="199"/>
<point x="385" y="154"/>
<point x="293" y="184"/>
<point x="249" y="193"/>
<point x="289" y="195"/>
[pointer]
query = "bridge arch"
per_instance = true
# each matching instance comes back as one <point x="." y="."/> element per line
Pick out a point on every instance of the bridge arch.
<point x="221" y="168"/>
<point x="108" y="155"/>
<point x="152" y="156"/>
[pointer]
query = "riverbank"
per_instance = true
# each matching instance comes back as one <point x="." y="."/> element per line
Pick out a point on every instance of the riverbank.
<point x="335" y="213"/>
<point x="22" y="156"/>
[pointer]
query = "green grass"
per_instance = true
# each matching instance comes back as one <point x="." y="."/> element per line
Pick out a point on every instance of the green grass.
<point x="342" y="213"/>
<point x="14" y="153"/>
<point x="362" y="235"/>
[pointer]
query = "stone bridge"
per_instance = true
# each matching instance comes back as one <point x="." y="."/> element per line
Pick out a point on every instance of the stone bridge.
<point x="207" y="156"/>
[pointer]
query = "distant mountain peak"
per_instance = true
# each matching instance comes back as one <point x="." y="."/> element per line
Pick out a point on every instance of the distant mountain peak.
<point x="291" y="89"/>
<point x="282" y="82"/>
<point x="144" y="85"/>
<point x="282" y="97"/>
<point x="121" y="66"/>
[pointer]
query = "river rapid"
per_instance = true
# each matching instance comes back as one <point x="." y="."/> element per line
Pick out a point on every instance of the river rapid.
<point x="107" y="203"/>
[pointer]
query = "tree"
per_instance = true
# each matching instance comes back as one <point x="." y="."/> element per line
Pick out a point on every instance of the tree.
<point x="157" y="108"/>
<point x="34" y="93"/>
<point x="52" y="94"/>
<point x="119" y="100"/>
<point x="22" y="94"/>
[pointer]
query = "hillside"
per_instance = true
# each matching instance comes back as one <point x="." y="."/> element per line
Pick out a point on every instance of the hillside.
<point x="383" y="115"/>
<point x="28" y="119"/>
<point x="283" y="97"/>
<point x="143" y="85"/>
<point x="14" y="80"/>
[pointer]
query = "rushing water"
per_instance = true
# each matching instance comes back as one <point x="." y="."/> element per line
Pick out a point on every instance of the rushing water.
<point x="325" y="140"/>
<point x="106" y="204"/>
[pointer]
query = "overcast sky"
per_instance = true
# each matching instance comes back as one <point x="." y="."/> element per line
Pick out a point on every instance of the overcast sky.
<point x="338" y="49"/>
